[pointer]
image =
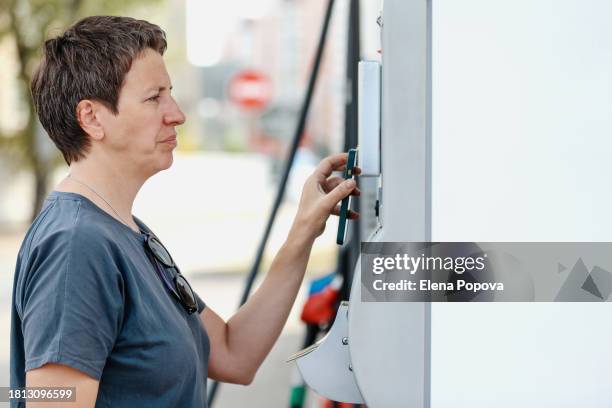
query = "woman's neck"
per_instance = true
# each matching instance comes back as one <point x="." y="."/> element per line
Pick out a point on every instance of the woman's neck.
<point x="112" y="189"/>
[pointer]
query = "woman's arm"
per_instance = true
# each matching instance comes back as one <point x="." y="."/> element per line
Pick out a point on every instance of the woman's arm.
<point x="58" y="375"/>
<point x="239" y="346"/>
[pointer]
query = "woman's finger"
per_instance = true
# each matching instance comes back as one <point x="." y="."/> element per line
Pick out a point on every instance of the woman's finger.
<point x="329" y="164"/>
<point x="356" y="170"/>
<point x="336" y="210"/>
<point x="352" y="215"/>
<point x="331" y="183"/>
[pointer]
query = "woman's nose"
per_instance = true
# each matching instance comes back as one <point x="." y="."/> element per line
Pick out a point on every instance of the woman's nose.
<point x="174" y="115"/>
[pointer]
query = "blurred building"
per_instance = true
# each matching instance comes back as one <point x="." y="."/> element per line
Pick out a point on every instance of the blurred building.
<point x="275" y="37"/>
<point x="279" y="41"/>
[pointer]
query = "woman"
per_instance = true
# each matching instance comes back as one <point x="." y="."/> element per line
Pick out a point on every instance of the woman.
<point x="98" y="303"/>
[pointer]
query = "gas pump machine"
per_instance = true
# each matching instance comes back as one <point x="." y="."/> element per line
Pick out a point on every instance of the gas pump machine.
<point x="378" y="353"/>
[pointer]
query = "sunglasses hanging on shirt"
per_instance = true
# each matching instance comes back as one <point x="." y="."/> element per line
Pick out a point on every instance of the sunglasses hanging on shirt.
<point x="178" y="286"/>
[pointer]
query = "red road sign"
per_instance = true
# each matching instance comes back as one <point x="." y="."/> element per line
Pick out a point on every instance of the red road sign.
<point x="250" y="89"/>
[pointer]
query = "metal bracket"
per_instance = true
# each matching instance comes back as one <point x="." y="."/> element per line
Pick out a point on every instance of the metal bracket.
<point x="326" y="367"/>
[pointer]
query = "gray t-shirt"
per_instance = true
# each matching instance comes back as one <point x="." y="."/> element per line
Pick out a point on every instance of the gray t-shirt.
<point x="86" y="295"/>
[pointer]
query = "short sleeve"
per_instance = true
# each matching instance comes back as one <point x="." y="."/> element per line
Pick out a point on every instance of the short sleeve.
<point x="72" y="302"/>
<point x="201" y="304"/>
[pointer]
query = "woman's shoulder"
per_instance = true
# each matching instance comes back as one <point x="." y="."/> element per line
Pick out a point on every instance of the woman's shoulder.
<point x="69" y="222"/>
<point x="69" y="238"/>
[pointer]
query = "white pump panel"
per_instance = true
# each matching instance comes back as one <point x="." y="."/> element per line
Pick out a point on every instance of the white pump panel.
<point x="369" y="118"/>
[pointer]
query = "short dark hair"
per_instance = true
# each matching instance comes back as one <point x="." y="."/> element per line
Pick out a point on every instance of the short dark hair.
<point x="88" y="61"/>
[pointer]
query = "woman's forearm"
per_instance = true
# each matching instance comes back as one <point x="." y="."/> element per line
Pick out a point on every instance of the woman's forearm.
<point x="253" y="330"/>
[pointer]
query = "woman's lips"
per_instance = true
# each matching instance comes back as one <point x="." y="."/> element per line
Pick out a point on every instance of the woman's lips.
<point x="170" y="140"/>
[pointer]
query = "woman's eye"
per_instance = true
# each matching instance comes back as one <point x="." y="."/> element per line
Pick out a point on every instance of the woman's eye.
<point x="153" y="98"/>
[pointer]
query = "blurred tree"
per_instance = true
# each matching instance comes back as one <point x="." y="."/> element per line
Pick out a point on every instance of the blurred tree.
<point x="28" y="23"/>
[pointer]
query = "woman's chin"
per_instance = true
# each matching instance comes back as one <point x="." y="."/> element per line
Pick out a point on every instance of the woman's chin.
<point x="163" y="162"/>
<point x="167" y="162"/>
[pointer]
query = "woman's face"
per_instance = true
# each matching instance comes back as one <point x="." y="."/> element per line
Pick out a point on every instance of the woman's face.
<point x="143" y="133"/>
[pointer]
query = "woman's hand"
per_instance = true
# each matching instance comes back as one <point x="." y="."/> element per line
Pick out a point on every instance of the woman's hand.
<point x="320" y="197"/>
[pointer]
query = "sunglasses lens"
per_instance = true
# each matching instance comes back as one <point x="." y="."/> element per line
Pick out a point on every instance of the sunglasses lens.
<point x="186" y="295"/>
<point x="185" y="292"/>
<point x="160" y="252"/>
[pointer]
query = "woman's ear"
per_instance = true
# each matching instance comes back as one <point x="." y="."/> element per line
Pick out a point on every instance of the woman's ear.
<point x="87" y="115"/>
